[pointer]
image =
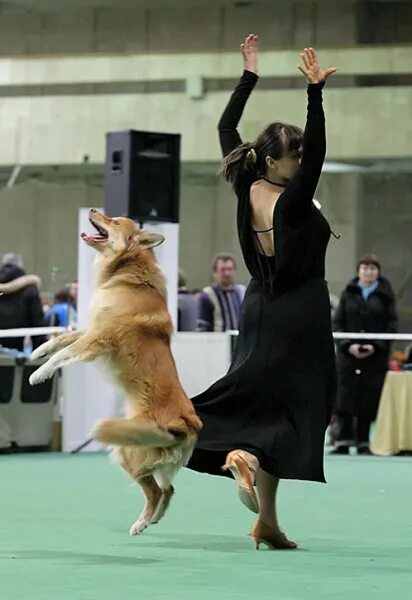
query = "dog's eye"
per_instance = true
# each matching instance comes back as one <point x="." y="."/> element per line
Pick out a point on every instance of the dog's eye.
<point x="116" y="221"/>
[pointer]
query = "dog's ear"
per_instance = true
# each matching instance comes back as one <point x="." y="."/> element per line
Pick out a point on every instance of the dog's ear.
<point x="149" y="240"/>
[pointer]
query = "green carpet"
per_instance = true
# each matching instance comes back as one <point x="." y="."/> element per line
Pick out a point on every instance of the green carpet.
<point x="64" y="524"/>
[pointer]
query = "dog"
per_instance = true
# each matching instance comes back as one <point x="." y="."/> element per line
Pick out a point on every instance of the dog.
<point x="131" y="329"/>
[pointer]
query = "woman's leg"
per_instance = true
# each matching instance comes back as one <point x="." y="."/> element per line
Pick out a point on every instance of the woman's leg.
<point x="267" y="486"/>
<point x="245" y="469"/>
<point x="266" y="530"/>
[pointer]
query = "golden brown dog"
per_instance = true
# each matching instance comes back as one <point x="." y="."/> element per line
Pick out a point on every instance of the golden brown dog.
<point x="131" y="328"/>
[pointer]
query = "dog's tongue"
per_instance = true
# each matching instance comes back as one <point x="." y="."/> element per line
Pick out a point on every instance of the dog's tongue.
<point x="92" y="238"/>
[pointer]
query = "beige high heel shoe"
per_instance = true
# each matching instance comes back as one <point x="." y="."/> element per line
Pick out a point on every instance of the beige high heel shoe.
<point x="274" y="539"/>
<point x="243" y="468"/>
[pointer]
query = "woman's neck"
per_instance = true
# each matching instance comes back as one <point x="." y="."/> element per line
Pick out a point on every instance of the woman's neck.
<point x="276" y="180"/>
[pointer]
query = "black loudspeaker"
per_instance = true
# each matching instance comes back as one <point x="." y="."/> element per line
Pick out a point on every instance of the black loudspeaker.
<point x="142" y="175"/>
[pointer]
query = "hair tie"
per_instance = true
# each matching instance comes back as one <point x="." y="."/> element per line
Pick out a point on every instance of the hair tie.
<point x="251" y="156"/>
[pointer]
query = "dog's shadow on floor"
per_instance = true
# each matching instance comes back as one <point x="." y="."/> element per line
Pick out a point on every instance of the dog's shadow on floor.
<point x="193" y="541"/>
<point x="77" y="558"/>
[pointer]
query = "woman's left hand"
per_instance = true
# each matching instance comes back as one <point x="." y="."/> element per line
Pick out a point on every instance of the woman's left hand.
<point x="311" y="68"/>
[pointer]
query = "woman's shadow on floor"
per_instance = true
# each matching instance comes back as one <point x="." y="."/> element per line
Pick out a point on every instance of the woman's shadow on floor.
<point x="77" y="558"/>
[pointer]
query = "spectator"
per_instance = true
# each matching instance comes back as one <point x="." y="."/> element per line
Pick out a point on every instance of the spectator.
<point x="20" y="303"/>
<point x="74" y="291"/>
<point x="219" y="304"/>
<point x="366" y="305"/>
<point x="62" y="313"/>
<point x="187" y="306"/>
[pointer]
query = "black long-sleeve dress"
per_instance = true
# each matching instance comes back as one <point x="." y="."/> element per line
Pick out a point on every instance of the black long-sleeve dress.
<point x="276" y="399"/>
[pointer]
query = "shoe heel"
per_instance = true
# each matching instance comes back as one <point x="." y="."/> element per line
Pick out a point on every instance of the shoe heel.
<point x="228" y="467"/>
<point x="256" y="542"/>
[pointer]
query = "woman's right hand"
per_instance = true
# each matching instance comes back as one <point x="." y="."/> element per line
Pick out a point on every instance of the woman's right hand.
<point x="311" y="68"/>
<point x="249" y="50"/>
<point x="359" y="351"/>
<point x="354" y="350"/>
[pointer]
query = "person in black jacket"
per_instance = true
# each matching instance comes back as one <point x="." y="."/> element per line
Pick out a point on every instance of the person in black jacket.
<point x="20" y="303"/>
<point x="366" y="305"/>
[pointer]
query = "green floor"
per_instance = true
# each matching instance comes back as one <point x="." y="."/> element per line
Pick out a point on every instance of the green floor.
<point x="64" y="524"/>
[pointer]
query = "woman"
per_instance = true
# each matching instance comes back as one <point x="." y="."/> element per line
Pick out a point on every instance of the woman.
<point x="367" y="304"/>
<point x="266" y="419"/>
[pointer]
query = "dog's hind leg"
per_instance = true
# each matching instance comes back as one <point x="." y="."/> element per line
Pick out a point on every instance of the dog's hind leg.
<point x="153" y="495"/>
<point x="164" y="477"/>
<point x="57" y="343"/>
<point x="133" y="460"/>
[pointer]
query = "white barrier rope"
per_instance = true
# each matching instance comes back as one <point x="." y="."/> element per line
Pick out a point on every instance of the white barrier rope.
<point x="338" y="335"/>
<point x="343" y="335"/>
<point x="350" y="335"/>
<point x="23" y="331"/>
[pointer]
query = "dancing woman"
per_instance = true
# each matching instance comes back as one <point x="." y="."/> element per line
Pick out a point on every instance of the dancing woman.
<point x="266" y="419"/>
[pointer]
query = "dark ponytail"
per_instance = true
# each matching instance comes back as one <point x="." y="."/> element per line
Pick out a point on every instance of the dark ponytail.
<point x="241" y="162"/>
<point x="248" y="160"/>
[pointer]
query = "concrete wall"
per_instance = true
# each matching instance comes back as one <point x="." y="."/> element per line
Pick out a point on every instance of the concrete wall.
<point x="170" y="29"/>
<point x="56" y="130"/>
<point x="56" y="110"/>
<point x="205" y="26"/>
<point x="371" y="212"/>
<point x="40" y="222"/>
<point x="385" y="228"/>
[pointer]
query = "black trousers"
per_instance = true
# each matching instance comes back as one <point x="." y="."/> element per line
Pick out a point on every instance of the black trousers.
<point x="353" y="431"/>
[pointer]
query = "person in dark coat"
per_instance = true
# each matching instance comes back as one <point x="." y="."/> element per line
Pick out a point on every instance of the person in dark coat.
<point x="187" y="306"/>
<point x="366" y="305"/>
<point x="20" y="303"/>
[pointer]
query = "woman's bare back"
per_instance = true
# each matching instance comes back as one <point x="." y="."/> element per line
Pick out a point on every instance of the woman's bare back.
<point x="263" y="198"/>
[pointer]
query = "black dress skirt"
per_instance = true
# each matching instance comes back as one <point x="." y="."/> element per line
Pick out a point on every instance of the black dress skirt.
<point x="277" y="397"/>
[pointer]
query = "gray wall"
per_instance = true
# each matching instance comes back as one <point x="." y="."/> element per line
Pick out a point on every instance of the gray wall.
<point x="371" y="212"/>
<point x="207" y="26"/>
<point x="385" y="227"/>
<point x="170" y="29"/>
<point x="40" y="222"/>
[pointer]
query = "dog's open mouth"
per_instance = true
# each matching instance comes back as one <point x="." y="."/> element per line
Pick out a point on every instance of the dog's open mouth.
<point x="100" y="236"/>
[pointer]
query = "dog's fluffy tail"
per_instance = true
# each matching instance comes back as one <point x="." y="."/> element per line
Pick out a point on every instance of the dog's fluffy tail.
<point x="125" y="432"/>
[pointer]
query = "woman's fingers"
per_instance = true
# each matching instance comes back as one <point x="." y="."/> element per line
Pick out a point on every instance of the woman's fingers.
<point x="250" y="44"/>
<point x="305" y="59"/>
<point x="250" y="39"/>
<point x="312" y="53"/>
<point x="303" y="71"/>
<point x="308" y="55"/>
<point x="330" y="71"/>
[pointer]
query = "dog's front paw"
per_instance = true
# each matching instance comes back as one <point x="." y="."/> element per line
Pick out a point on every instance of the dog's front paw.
<point x="42" y="351"/>
<point x="38" y="377"/>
